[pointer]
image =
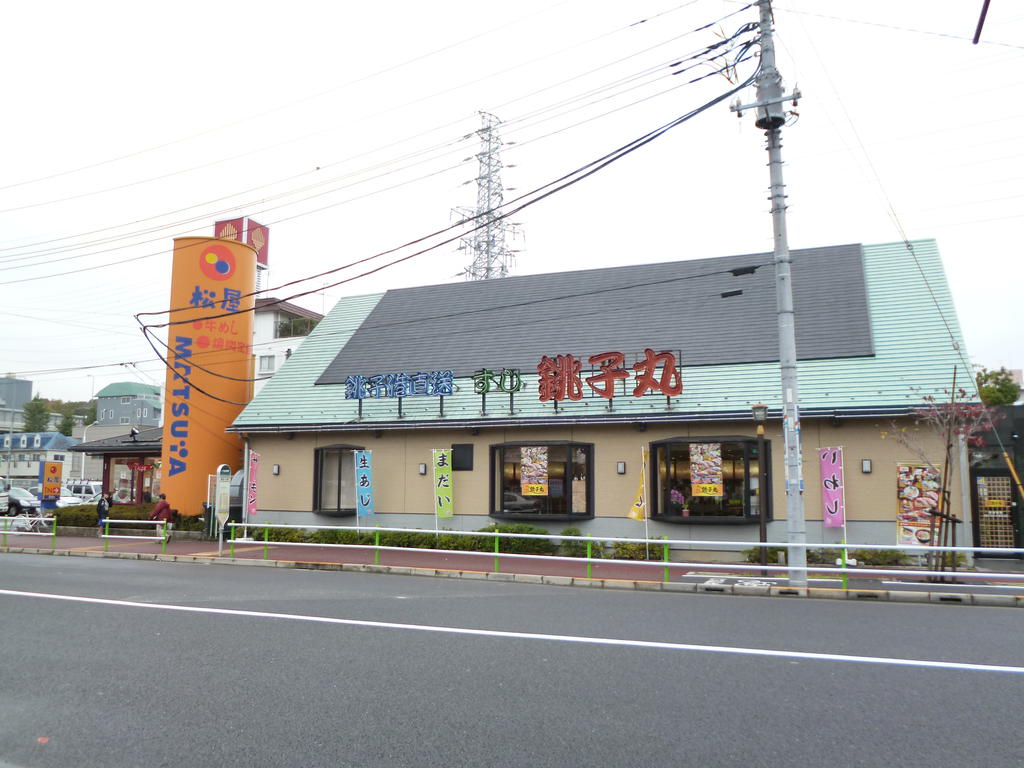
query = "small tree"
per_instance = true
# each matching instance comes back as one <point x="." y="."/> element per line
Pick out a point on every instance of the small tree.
<point x="947" y="421"/>
<point x="37" y="415"/>
<point x="67" y="423"/>
<point x="997" y="387"/>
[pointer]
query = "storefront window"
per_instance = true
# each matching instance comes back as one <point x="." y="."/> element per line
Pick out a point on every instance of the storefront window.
<point x="714" y="479"/>
<point x="334" y="480"/>
<point x="549" y="480"/>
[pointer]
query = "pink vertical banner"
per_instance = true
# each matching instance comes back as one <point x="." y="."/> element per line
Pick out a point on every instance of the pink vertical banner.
<point x="254" y="468"/>
<point x="833" y="493"/>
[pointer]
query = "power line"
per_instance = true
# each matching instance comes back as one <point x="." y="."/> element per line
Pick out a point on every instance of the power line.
<point x="537" y="195"/>
<point x="164" y="251"/>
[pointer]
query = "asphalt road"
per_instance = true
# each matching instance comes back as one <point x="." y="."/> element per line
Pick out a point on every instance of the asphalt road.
<point x="269" y="667"/>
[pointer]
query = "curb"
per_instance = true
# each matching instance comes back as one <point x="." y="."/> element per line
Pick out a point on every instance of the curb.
<point x="814" y="593"/>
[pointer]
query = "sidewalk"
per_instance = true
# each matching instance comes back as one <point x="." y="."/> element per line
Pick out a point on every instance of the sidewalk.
<point x="733" y="578"/>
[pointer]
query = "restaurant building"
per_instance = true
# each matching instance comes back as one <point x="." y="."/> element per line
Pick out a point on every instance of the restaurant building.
<point x="593" y="398"/>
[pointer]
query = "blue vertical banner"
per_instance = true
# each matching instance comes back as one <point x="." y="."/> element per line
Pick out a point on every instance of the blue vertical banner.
<point x="364" y="483"/>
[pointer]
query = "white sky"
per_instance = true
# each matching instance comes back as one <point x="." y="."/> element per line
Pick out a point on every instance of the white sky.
<point x="348" y="129"/>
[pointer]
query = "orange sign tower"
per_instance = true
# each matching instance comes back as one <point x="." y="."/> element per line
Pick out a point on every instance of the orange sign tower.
<point x="209" y="364"/>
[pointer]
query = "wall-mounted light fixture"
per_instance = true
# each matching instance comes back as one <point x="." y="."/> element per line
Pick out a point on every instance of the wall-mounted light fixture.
<point x="865" y="466"/>
<point x="276" y="469"/>
<point x="620" y="467"/>
<point x="423" y="469"/>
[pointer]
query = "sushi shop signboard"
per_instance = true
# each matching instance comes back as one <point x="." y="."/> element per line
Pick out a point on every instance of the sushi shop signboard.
<point x="917" y="490"/>
<point x="559" y="378"/>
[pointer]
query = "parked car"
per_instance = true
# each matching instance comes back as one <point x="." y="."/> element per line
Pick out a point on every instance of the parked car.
<point x="84" y="488"/>
<point x="515" y="502"/>
<point x="19" y="500"/>
<point x="67" y="498"/>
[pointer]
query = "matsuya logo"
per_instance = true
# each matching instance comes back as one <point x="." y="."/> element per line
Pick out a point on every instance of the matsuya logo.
<point x="217" y="262"/>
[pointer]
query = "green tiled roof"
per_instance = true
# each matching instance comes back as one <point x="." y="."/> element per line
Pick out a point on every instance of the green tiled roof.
<point x="914" y="332"/>
<point x="123" y="388"/>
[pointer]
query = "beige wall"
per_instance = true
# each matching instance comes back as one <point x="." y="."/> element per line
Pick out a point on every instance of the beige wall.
<point x="399" y="488"/>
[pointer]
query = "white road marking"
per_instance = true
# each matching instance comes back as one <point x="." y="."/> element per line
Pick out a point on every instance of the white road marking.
<point x="529" y="635"/>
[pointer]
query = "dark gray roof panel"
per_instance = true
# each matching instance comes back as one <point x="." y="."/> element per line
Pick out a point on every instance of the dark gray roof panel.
<point x="511" y="322"/>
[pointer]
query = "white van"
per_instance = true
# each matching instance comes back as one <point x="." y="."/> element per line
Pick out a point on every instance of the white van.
<point x="84" y="489"/>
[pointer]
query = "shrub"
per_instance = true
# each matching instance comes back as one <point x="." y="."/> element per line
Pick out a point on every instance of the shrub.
<point x="407" y="539"/>
<point x="632" y="550"/>
<point x="280" y="534"/>
<point x="464" y="543"/>
<point x="881" y="557"/>
<point x="521" y="546"/>
<point x="189" y="523"/>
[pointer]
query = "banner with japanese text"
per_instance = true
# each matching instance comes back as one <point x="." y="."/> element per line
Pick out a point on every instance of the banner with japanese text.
<point x="443" y="506"/>
<point x="917" y="491"/>
<point x="706" y="469"/>
<point x="638" y="509"/>
<point x="364" y="483"/>
<point x="533" y="470"/>
<point x="833" y="490"/>
<point x="254" y="468"/>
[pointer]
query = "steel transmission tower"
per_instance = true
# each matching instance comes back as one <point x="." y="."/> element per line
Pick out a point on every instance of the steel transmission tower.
<point x="491" y="257"/>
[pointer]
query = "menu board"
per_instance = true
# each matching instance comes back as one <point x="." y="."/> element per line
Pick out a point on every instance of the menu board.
<point x="917" y="492"/>
<point x="706" y="469"/>
<point x="533" y="470"/>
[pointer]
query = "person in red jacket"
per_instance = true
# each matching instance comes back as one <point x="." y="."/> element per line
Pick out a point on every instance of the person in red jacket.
<point x="162" y="511"/>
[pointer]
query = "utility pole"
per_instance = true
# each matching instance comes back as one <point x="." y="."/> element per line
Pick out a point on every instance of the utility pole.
<point x="770" y="116"/>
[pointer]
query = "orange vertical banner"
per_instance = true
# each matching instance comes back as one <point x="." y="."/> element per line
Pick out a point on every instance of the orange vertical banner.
<point x="209" y="364"/>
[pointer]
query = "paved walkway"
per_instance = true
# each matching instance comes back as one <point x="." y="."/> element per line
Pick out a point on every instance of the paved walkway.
<point x="1005" y="587"/>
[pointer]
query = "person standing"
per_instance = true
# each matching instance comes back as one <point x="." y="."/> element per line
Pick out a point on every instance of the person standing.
<point x="102" y="512"/>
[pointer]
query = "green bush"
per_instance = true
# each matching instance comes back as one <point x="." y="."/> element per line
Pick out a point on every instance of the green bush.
<point x="753" y="555"/>
<point x="882" y="557"/>
<point x="521" y="546"/>
<point x="631" y="550"/>
<point x="574" y="548"/>
<point x="464" y="543"/>
<point x="189" y="523"/>
<point x="83" y="516"/>
<point x="407" y="539"/>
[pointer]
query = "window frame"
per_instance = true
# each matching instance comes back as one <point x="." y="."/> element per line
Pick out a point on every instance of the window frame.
<point x="318" y="453"/>
<point x="495" y="451"/>
<point x="749" y="516"/>
<point x="262" y="367"/>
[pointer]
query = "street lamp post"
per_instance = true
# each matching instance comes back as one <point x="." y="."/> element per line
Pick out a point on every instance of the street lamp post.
<point x="760" y="411"/>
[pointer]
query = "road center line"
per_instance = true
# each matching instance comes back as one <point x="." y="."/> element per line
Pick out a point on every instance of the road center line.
<point x="924" y="663"/>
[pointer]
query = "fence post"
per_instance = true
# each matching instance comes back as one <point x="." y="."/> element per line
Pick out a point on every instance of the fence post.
<point x="843" y="560"/>
<point x="665" y="546"/>
<point x="497" y="565"/>
<point x="376" y="543"/>
<point x="589" y="545"/>
<point x="231" y="541"/>
<point x="162" y="528"/>
<point x="7" y="525"/>
<point x="54" y="540"/>
<point x="106" y="532"/>
<point x="266" y="543"/>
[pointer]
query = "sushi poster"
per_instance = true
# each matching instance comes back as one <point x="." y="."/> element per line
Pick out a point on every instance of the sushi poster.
<point x="706" y="469"/>
<point x="917" y="491"/>
<point x="533" y="470"/>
